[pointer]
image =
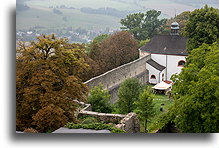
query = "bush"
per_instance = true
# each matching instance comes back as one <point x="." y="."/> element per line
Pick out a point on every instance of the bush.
<point x="89" y="120"/>
<point x="95" y="126"/>
<point x="99" y="99"/>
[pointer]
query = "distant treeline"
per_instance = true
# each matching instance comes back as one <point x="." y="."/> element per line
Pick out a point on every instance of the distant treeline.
<point x="196" y="2"/>
<point x="105" y="11"/>
<point x="62" y="7"/>
<point x="56" y="11"/>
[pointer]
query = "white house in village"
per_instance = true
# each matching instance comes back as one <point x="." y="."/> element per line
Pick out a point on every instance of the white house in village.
<point x="168" y="55"/>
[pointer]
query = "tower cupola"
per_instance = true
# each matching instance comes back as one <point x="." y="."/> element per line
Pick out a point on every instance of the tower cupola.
<point x="175" y="28"/>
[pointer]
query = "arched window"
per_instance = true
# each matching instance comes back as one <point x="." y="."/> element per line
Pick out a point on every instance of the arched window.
<point x="162" y="76"/>
<point x="153" y="77"/>
<point x="181" y="63"/>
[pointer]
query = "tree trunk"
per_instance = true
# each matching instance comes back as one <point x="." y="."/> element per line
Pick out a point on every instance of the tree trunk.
<point x="145" y="126"/>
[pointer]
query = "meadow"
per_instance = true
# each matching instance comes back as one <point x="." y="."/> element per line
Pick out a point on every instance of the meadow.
<point x="44" y="18"/>
<point x="40" y="13"/>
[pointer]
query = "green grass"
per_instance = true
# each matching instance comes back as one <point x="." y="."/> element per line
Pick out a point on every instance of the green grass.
<point x="95" y="126"/>
<point x="158" y="100"/>
<point x="84" y="3"/>
<point x="41" y="15"/>
<point x="45" y="18"/>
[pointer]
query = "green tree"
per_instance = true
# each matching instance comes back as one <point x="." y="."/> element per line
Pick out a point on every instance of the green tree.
<point x="101" y="38"/>
<point x="202" y="27"/>
<point x="182" y="19"/>
<point x="94" y="50"/>
<point x="144" y="107"/>
<point x="143" y="25"/>
<point x="143" y="42"/>
<point x="93" y="47"/>
<point x="128" y="93"/>
<point x="196" y="93"/>
<point x="99" y="99"/>
<point x="47" y="80"/>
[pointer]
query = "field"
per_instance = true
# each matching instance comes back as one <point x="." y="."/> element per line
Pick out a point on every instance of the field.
<point x="40" y="12"/>
<point x="44" y="17"/>
<point x="94" y="17"/>
<point x="121" y="5"/>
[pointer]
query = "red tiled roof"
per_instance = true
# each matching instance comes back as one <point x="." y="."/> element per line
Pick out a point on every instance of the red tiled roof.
<point x="168" y="82"/>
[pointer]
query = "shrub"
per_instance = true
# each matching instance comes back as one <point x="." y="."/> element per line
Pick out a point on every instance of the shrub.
<point x="99" y="99"/>
<point x="89" y="120"/>
<point x="95" y="126"/>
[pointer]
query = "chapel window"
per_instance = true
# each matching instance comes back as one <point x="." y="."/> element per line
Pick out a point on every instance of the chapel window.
<point x="162" y="76"/>
<point x="181" y="63"/>
<point x="153" y="77"/>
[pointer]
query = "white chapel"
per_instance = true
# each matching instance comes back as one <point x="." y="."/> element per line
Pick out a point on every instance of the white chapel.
<point x="168" y="55"/>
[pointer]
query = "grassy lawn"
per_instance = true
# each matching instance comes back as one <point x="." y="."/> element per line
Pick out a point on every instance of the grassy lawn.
<point x="158" y="100"/>
<point x="41" y="15"/>
<point x="127" y="5"/>
<point x="44" y="17"/>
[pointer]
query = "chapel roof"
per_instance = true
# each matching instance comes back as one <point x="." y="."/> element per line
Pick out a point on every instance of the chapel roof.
<point x="155" y="65"/>
<point x="166" y="44"/>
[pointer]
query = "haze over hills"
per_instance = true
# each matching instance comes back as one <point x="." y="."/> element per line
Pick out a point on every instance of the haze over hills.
<point x="91" y="16"/>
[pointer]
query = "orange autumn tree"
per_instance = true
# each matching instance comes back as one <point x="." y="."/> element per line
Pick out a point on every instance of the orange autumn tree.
<point x="118" y="49"/>
<point x="47" y="80"/>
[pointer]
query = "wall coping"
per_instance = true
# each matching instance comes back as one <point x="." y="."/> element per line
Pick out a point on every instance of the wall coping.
<point x="117" y="68"/>
<point x="123" y="119"/>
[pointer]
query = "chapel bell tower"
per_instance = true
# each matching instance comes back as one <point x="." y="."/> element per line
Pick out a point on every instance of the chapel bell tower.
<point x="174" y="28"/>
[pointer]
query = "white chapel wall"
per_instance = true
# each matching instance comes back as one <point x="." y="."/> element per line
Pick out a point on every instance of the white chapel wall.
<point x="153" y="71"/>
<point x="172" y="63"/>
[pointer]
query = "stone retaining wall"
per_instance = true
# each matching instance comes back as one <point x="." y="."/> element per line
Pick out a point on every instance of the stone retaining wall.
<point x="130" y="123"/>
<point x="112" y="79"/>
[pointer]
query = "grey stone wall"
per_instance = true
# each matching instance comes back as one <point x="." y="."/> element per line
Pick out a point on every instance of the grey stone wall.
<point x="112" y="79"/>
<point x="129" y="123"/>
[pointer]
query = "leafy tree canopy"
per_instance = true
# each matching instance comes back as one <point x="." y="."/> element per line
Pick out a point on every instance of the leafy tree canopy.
<point x="101" y="38"/>
<point x="120" y="48"/>
<point x="47" y="80"/>
<point x="99" y="99"/>
<point x="143" y="25"/>
<point x="196" y="92"/>
<point x="144" y="107"/>
<point x="182" y="18"/>
<point x="110" y="51"/>
<point x="128" y="93"/>
<point x="202" y="27"/>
